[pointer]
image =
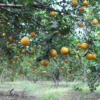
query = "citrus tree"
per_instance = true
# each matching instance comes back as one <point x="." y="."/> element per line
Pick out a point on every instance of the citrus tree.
<point x="62" y="29"/>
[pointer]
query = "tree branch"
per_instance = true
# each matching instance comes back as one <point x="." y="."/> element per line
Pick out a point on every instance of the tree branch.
<point x="11" y="5"/>
<point x="80" y="59"/>
<point x="96" y="78"/>
<point x="40" y="6"/>
<point x="73" y="61"/>
<point x="21" y="16"/>
<point x="14" y="13"/>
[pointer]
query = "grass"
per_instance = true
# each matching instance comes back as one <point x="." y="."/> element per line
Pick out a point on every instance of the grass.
<point x="48" y="91"/>
<point x="52" y="93"/>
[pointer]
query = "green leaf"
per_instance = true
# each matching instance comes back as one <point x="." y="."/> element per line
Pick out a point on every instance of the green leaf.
<point x="47" y="36"/>
<point x="65" y="31"/>
<point x="86" y="52"/>
<point x="55" y="36"/>
<point x="54" y="25"/>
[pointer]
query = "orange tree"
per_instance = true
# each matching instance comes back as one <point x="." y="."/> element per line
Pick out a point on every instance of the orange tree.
<point x="51" y="25"/>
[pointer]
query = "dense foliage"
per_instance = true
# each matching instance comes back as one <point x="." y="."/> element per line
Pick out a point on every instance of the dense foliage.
<point x="51" y="24"/>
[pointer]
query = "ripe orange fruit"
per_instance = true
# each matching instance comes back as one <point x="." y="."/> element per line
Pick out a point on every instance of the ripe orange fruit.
<point x="18" y="52"/>
<point x="59" y="35"/>
<point x="10" y="39"/>
<point x="85" y="3"/>
<point x="94" y="56"/>
<point x="68" y="70"/>
<point x="34" y="67"/>
<point x="44" y="72"/>
<point x="52" y="13"/>
<point x="37" y="47"/>
<point x="5" y="21"/>
<point x="55" y="32"/>
<point x="89" y="56"/>
<point x="54" y="58"/>
<point x="18" y="60"/>
<point x="81" y="9"/>
<point x="98" y="32"/>
<point x="95" y="22"/>
<point x="66" y="60"/>
<point x="62" y="67"/>
<point x="80" y="24"/>
<point x="84" y="46"/>
<point x="32" y="34"/>
<point x="76" y="56"/>
<point x="53" y="53"/>
<point x="77" y="52"/>
<point x="44" y="63"/>
<point x="33" y="72"/>
<point x="8" y="46"/>
<point x="29" y="60"/>
<point x="16" y="57"/>
<point x="82" y="53"/>
<point x="23" y="51"/>
<point x="64" y="50"/>
<point x="79" y="45"/>
<point x="31" y="56"/>
<point x="0" y="24"/>
<point x="26" y="55"/>
<point x="74" y="3"/>
<point x="4" y="34"/>
<point x="25" y="41"/>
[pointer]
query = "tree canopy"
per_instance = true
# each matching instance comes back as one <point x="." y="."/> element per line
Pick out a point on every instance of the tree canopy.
<point x="52" y="31"/>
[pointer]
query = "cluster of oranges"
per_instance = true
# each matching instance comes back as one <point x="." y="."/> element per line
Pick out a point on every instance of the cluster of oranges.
<point x="53" y="53"/>
<point x="91" y="56"/>
<point x="85" y="3"/>
<point x="25" y="40"/>
<point x="17" y="58"/>
<point x="35" y="69"/>
<point x="84" y="46"/>
<point x="10" y="38"/>
<point x="75" y="3"/>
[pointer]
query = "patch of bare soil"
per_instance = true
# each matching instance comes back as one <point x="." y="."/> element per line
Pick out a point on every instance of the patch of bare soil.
<point x="78" y="96"/>
<point x="16" y="95"/>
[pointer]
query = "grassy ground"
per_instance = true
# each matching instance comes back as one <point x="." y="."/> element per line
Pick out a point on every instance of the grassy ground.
<point x="47" y="91"/>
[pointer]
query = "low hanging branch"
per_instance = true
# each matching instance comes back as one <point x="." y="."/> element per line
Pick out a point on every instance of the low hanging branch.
<point x="40" y="6"/>
<point x="20" y="16"/>
<point x="11" y="5"/>
<point x="10" y="91"/>
<point x="80" y="59"/>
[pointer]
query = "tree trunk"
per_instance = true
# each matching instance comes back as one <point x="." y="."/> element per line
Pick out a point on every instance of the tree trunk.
<point x="2" y="77"/>
<point x="41" y="81"/>
<point x="24" y="78"/>
<point x="91" y="89"/>
<point x="54" y="80"/>
<point x="57" y="82"/>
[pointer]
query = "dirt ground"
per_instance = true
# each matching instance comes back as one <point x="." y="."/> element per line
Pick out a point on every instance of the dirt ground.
<point x="76" y="96"/>
<point x="22" y="95"/>
<point x="10" y="91"/>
